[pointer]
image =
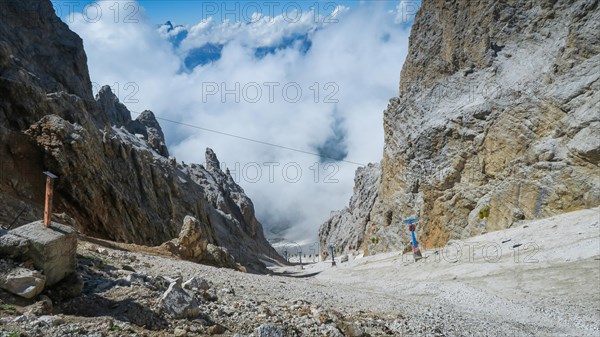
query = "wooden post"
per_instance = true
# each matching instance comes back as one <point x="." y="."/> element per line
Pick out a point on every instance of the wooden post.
<point x="49" y="194"/>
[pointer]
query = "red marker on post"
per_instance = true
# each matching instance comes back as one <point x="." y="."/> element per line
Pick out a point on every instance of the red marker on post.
<point x="49" y="194"/>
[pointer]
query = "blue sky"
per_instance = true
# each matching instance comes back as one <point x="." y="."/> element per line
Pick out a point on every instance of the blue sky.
<point x="189" y="12"/>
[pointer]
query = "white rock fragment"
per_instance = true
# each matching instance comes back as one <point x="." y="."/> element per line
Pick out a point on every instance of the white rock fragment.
<point x="196" y="283"/>
<point x="20" y="281"/>
<point x="178" y="303"/>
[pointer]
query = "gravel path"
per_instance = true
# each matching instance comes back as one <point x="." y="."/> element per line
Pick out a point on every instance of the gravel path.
<point x="557" y="293"/>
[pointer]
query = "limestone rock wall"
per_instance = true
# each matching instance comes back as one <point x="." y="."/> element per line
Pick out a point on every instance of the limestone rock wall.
<point x="499" y="106"/>
<point x="346" y="228"/>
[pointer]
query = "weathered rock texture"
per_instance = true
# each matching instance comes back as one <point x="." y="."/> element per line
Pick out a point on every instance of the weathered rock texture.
<point x="193" y="245"/>
<point x="21" y="281"/>
<point x="357" y="215"/>
<point x="179" y="303"/>
<point x="192" y="241"/>
<point x="499" y="105"/>
<point x="144" y="126"/>
<point x="114" y="177"/>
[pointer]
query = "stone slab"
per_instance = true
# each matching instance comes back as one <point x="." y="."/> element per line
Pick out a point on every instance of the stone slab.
<point x="20" y="281"/>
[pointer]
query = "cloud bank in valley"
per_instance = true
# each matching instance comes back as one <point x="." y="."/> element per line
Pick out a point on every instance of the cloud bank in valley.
<point x="318" y="85"/>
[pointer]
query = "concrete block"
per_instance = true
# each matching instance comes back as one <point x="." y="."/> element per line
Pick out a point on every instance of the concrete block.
<point x="52" y="249"/>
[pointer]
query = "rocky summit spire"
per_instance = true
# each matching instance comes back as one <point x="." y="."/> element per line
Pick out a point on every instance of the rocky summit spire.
<point x="212" y="162"/>
<point x="147" y="125"/>
<point x="117" y="113"/>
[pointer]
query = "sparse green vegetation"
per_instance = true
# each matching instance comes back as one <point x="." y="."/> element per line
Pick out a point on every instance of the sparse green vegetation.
<point x="484" y="212"/>
<point x="7" y="307"/>
<point x="97" y="260"/>
<point x="11" y="334"/>
<point x="80" y="331"/>
<point x="121" y="329"/>
<point x="128" y="268"/>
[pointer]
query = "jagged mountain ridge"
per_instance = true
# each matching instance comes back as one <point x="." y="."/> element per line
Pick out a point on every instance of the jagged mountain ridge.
<point x="357" y="215"/>
<point x="144" y="125"/>
<point x="113" y="183"/>
<point x="499" y="106"/>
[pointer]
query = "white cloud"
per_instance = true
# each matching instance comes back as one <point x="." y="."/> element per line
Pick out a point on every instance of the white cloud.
<point x="360" y="56"/>
<point x="168" y="32"/>
<point x="262" y="30"/>
<point x="406" y="10"/>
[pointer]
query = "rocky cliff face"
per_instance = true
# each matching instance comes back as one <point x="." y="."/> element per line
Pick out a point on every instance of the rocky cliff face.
<point x="145" y="125"/>
<point x="499" y="106"/>
<point x="115" y="178"/>
<point x="346" y="228"/>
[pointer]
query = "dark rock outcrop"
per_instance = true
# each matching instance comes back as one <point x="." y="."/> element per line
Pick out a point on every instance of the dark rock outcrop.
<point x="38" y="49"/>
<point x="116" y="113"/>
<point x="114" y="184"/>
<point x="144" y="125"/>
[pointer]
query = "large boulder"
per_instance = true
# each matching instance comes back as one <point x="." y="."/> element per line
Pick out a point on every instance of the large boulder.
<point x="192" y="238"/>
<point x="196" y="283"/>
<point x="220" y="257"/>
<point x="195" y="244"/>
<point x="192" y="241"/>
